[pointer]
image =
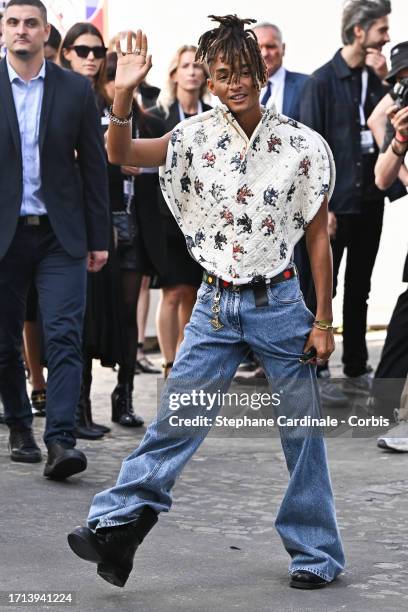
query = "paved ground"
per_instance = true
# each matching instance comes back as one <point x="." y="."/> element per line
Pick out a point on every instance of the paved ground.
<point x="217" y="549"/>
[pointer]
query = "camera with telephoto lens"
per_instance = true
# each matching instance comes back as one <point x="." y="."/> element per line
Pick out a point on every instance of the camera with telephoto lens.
<point x="399" y="93"/>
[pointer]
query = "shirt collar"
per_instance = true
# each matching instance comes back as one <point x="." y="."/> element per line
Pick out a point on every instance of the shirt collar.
<point x="13" y="76"/>
<point x="278" y="76"/>
<point x="340" y="66"/>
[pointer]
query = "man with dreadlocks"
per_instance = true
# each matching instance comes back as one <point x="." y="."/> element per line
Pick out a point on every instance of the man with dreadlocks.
<point x="244" y="184"/>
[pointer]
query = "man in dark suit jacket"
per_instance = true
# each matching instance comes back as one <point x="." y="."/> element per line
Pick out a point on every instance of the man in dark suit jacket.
<point x="283" y="88"/>
<point x="54" y="221"/>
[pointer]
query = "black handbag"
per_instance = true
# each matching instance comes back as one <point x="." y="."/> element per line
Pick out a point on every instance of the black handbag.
<point x="123" y="220"/>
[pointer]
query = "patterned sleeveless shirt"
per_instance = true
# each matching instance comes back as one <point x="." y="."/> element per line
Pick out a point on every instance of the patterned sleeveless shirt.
<point x="242" y="203"/>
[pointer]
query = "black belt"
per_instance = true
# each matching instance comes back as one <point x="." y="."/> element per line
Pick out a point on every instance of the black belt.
<point x="258" y="287"/>
<point x="287" y="274"/>
<point x="33" y="220"/>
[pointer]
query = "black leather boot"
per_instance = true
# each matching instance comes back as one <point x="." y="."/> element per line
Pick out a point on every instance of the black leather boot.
<point x="113" y="548"/>
<point x="22" y="446"/>
<point x="86" y="396"/>
<point x="122" y="407"/>
<point x="83" y="428"/>
<point x="88" y="409"/>
<point x="63" y="462"/>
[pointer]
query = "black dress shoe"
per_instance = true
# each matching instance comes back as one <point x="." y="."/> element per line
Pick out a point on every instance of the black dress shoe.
<point x="146" y="366"/>
<point x="307" y="580"/>
<point x="113" y="548"/>
<point x="63" y="462"/>
<point x="23" y="447"/>
<point x="102" y="428"/>
<point x="86" y="433"/>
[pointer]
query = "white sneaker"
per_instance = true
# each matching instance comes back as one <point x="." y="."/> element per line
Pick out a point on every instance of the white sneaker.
<point x="360" y="383"/>
<point x="331" y="393"/>
<point x="396" y="438"/>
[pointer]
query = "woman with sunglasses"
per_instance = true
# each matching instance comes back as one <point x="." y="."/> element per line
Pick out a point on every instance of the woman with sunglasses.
<point x="83" y="50"/>
<point x="105" y="330"/>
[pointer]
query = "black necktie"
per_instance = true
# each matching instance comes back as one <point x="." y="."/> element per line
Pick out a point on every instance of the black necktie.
<point x="267" y="94"/>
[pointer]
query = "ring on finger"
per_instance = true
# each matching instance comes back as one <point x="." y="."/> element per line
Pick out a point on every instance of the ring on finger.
<point x="137" y="51"/>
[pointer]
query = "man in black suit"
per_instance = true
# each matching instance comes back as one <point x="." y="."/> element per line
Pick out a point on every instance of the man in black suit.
<point x="54" y="223"/>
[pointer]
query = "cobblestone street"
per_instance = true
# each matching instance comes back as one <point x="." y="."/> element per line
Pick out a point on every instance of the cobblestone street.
<point x="217" y="549"/>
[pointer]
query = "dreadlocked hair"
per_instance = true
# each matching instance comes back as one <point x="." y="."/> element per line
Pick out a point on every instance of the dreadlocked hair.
<point x="235" y="45"/>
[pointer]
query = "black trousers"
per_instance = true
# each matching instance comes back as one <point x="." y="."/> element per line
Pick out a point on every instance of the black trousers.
<point x="393" y="366"/>
<point x="360" y="235"/>
<point x="35" y="255"/>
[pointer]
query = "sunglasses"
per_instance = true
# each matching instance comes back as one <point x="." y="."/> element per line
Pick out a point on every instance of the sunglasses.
<point x="83" y="51"/>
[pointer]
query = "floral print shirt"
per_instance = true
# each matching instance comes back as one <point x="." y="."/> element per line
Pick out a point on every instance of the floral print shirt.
<point x="242" y="203"/>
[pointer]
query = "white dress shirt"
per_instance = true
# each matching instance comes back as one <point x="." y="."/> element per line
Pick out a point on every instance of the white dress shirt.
<point x="28" y="98"/>
<point x="277" y="81"/>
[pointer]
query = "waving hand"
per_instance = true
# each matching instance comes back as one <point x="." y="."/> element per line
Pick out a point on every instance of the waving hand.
<point x="133" y="65"/>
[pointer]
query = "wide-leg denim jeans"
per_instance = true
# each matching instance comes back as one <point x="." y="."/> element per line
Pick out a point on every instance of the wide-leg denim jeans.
<point x="208" y="359"/>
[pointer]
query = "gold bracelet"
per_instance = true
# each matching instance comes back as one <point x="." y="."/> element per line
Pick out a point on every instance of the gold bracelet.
<point x="323" y="325"/>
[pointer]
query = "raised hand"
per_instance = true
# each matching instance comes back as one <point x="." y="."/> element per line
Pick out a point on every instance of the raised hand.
<point x="376" y="60"/>
<point x="133" y="65"/>
<point x="399" y="119"/>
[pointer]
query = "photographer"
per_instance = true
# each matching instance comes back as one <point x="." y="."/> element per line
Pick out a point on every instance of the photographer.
<point x="389" y="123"/>
<point x="391" y="159"/>
<point x="336" y="101"/>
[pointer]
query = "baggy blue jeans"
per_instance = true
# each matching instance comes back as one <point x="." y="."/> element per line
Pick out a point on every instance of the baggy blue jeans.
<point x="277" y="332"/>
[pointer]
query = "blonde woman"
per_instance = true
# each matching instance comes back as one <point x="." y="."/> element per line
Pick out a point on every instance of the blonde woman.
<point x="182" y="97"/>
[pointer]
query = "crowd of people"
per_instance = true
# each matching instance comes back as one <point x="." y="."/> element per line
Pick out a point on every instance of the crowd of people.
<point x="146" y="247"/>
<point x="82" y="239"/>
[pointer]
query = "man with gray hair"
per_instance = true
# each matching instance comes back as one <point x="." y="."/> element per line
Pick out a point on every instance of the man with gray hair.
<point x="336" y="100"/>
<point x="283" y="87"/>
<point x="364" y="13"/>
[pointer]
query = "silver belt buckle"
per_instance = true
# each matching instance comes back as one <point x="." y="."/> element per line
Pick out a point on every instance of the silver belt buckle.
<point x="32" y="220"/>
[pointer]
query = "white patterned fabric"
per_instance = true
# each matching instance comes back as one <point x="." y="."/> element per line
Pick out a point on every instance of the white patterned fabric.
<point x="242" y="203"/>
